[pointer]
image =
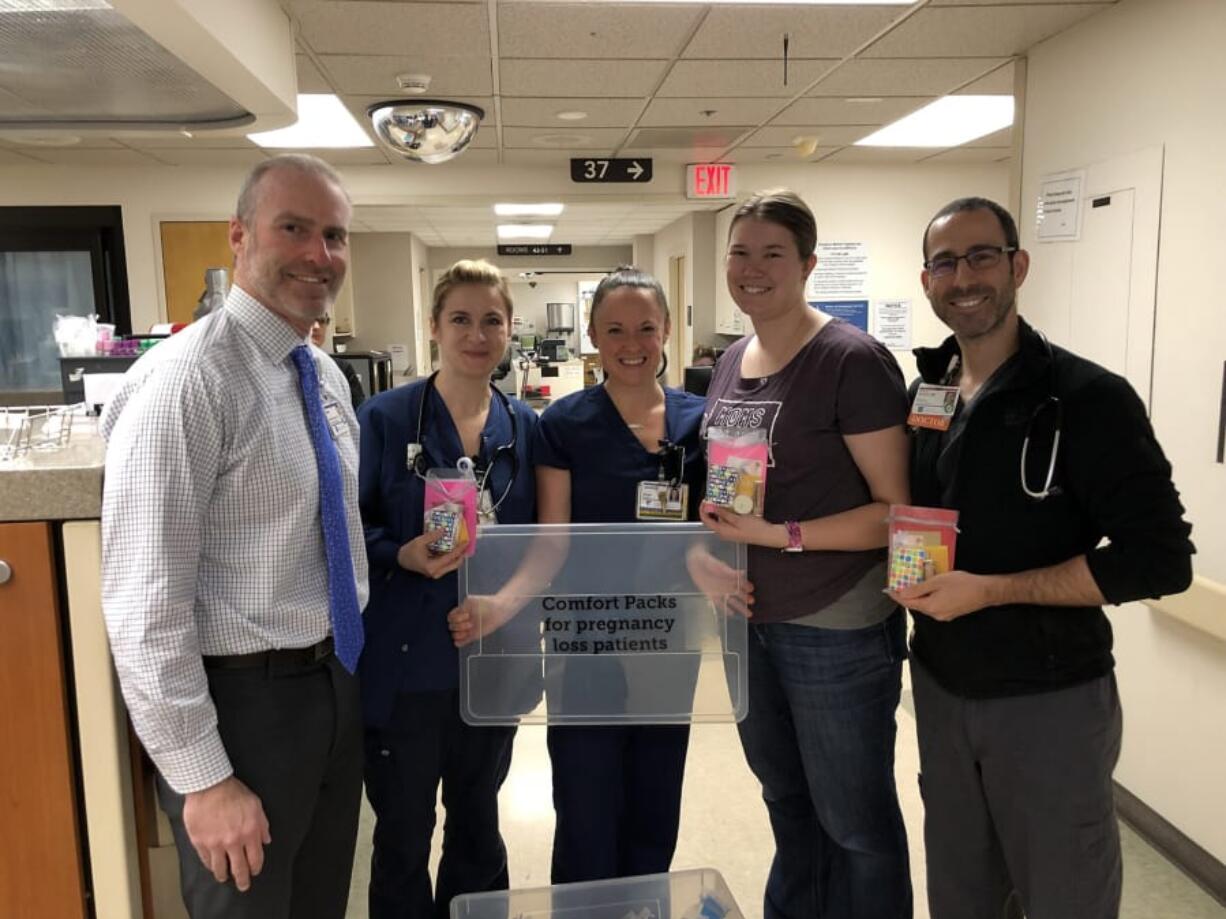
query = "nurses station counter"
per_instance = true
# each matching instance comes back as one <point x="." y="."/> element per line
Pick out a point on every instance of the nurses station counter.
<point x="82" y="834"/>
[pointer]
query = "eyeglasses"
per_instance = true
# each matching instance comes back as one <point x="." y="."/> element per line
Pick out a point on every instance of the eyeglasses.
<point x="324" y="320"/>
<point x="981" y="258"/>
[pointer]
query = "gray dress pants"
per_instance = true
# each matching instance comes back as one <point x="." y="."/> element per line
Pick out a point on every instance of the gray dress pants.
<point x="1018" y="806"/>
<point x="294" y="737"/>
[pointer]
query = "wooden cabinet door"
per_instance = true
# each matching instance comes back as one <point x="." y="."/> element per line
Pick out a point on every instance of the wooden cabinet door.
<point x="188" y="249"/>
<point x="40" y="849"/>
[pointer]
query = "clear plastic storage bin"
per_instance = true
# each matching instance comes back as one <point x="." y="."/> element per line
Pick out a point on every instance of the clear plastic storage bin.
<point x="603" y="624"/>
<point x="697" y="894"/>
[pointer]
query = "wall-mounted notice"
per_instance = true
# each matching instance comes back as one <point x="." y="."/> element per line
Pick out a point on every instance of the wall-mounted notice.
<point x="892" y="323"/>
<point x="587" y="290"/>
<point x="853" y="311"/>
<point x="1058" y="212"/>
<point x="841" y="272"/>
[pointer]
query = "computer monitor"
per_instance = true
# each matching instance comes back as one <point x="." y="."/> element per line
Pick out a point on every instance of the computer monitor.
<point x="697" y="380"/>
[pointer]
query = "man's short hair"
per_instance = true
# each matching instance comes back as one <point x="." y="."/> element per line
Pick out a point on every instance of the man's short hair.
<point x="249" y="194"/>
<point x="1007" y="224"/>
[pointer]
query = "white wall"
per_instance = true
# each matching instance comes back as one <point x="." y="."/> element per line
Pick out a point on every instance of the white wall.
<point x="1144" y="73"/>
<point x="886" y="207"/>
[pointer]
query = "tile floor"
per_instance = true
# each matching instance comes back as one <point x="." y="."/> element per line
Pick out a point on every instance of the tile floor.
<point x="724" y="826"/>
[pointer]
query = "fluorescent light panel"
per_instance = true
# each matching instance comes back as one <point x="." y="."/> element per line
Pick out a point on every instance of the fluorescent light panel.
<point x="525" y="230"/>
<point x="322" y="122"/>
<point x="51" y="6"/>
<point x="948" y="122"/>
<point x="780" y="2"/>
<point x="529" y="210"/>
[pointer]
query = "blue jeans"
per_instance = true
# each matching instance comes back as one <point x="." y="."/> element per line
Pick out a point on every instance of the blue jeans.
<point x="820" y="738"/>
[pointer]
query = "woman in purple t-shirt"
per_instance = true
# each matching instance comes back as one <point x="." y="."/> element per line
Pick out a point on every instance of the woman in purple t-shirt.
<point x="826" y="644"/>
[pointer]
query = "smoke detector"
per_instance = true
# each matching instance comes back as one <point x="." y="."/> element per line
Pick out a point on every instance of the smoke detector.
<point x="413" y="83"/>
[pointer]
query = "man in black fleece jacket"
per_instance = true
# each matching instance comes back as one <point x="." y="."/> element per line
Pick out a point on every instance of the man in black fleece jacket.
<point x="1018" y="714"/>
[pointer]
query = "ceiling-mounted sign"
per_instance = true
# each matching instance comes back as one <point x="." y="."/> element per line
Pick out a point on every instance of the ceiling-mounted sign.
<point x="710" y="180"/>
<point x="535" y="249"/>
<point x="621" y="169"/>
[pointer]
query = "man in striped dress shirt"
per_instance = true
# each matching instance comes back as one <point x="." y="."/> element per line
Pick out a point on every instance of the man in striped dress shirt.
<point x="216" y="584"/>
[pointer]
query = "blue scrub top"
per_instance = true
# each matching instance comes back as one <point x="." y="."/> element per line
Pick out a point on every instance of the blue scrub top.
<point x="408" y="646"/>
<point x="585" y="434"/>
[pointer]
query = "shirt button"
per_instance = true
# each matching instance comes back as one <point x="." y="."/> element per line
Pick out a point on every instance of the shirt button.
<point x="404" y="648"/>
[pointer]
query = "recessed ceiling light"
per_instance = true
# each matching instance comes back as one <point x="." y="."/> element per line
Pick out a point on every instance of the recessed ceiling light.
<point x="528" y="210"/>
<point x="525" y="230"/>
<point x="572" y="115"/>
<point x="322" y="122"/>
<point x="948" y="122"/>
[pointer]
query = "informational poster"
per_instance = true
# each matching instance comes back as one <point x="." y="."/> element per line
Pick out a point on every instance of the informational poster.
<point x="587" y="290"/>
<point x="841" y="272"/>
<point x="1058" y="213"/>
<point x="853" y="311"/>
<point x="892" y="323"/>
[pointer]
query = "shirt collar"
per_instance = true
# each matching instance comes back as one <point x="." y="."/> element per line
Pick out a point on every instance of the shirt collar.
<point x="271" y="334"/>
<point x="1036" y="355"/>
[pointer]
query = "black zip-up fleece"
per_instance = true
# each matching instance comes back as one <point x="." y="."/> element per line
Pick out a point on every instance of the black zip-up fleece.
<point x="1113" y="481"/>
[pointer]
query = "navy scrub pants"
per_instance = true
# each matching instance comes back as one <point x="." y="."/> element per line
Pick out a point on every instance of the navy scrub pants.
<point x="426" y="743"/>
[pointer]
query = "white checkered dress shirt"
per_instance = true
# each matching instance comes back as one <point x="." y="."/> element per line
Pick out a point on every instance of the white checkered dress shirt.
<point x="211" y="537"/>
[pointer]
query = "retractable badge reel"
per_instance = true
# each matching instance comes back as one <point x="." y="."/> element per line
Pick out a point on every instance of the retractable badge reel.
<point x="667" y="498"/>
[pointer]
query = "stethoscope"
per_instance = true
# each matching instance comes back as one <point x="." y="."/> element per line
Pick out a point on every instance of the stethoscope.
<point x="1052" y="402"/>
<point x="415" y="451"/>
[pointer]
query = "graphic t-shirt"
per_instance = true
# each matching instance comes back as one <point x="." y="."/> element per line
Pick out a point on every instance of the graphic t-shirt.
<point x="841" y="382"/>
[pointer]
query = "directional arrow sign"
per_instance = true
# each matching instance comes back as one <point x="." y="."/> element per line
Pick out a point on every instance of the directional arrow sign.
<point x="619" y="169"/>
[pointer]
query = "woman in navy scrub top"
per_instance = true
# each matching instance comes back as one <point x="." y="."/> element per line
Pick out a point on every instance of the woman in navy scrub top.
<point x="409" y="670"/>
<point x="617" y="789"/>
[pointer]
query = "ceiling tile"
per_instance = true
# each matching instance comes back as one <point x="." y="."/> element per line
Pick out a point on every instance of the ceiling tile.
<point x="375" y="75"/>
<point x="829" y="136"/>
<point x="592" y="30"/>
<point x="835" y="110"/>
<point x="15" y="158"/>
<point x="971" y="155"/>
<point x="580" y="79"/>
<point x="979" y="31"/>
<point x="689" y="112"/>
<point x="902" y="77"/>
<point x="562" y="138"/>
<point x="560" y="158"/>
<point x="601" y="113"/>
<point x="310" y="80"/>
<point x="686" y="138"/>
<point x="814" y="32"/>
<point x="778" y="155"/>
<point x="169" y="140"/>
<point x="210" y="157"/>
<point x="877" y="155"/>
<point x="673" y="155"/>
<point x="361" y="156"/>
<point x="71" y="156"/>
<point x="714" y="79"/>
<point x="1019" y="2"/>
<point x="401" y="29"/>
<point x="997" y="83"/>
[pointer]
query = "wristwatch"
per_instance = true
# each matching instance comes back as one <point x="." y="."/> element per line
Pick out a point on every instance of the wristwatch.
<point x="795" y="540"/>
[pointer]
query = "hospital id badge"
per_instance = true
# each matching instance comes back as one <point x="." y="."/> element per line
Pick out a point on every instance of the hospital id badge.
<point x="934" y="407"/>
<point x="335" y="418"/>
<point x="662" y="501"/>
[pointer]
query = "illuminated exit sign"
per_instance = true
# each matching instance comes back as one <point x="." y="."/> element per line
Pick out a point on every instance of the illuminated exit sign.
<point x="710" y="180"/>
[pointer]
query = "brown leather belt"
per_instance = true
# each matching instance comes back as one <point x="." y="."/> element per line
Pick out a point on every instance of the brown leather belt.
<point x="279" y="659"/>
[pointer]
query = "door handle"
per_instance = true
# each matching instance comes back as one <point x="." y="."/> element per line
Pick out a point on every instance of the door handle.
<point x="6" y="572"/>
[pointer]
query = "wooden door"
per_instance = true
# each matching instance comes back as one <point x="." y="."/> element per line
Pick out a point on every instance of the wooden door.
<point x="188" y="249"/>
<point x="40" y="849"/>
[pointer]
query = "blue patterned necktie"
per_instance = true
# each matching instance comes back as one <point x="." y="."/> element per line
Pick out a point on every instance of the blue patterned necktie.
<point x="342" y="590"/>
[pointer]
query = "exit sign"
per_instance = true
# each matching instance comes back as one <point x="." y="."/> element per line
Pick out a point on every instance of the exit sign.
<point x="710" y="180"/>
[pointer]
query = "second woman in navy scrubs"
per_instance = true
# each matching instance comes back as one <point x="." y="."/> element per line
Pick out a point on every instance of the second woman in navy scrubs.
<point x="617" y="789"/>
<point x="409" y="671"/>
